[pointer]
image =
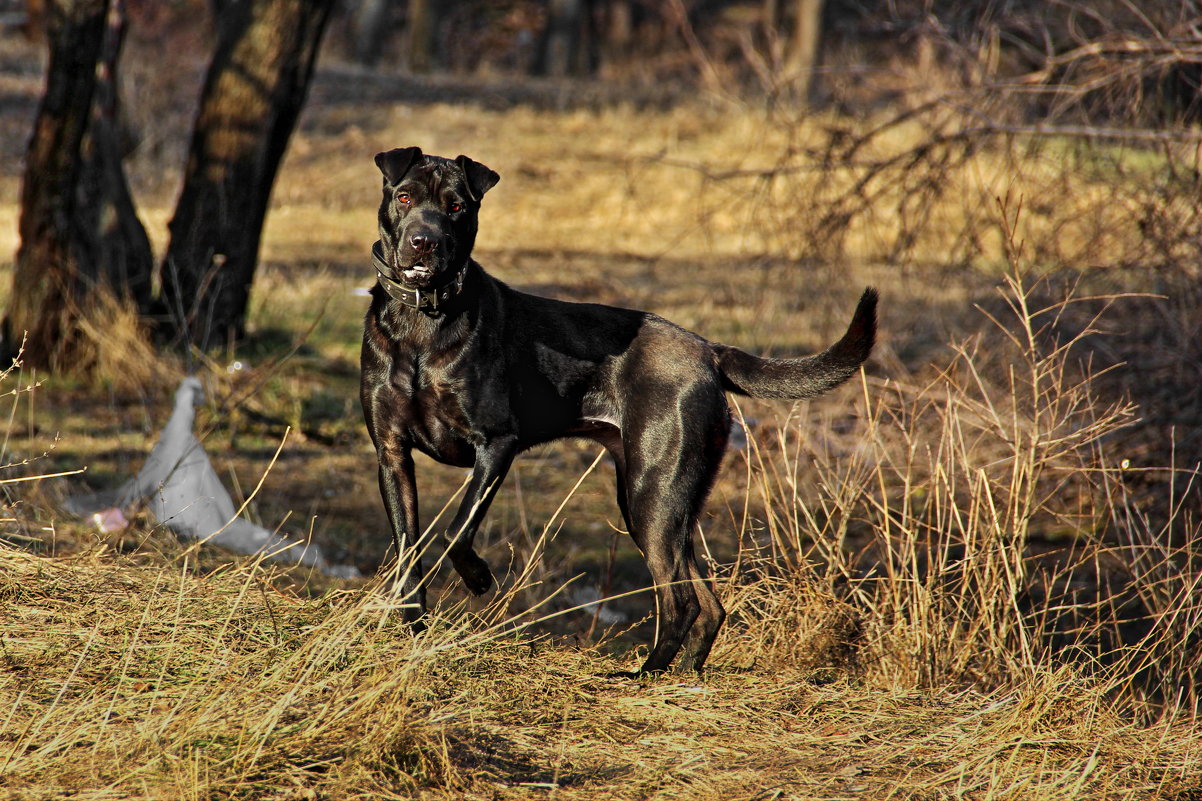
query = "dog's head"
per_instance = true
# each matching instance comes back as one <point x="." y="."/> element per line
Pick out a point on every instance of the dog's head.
<point x="429" y="213"/>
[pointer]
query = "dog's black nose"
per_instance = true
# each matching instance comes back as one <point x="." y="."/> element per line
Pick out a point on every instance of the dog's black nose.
<point x="422" y="242"/>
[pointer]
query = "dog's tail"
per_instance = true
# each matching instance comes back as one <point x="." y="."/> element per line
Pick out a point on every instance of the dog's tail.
<point x="745" y="374"/>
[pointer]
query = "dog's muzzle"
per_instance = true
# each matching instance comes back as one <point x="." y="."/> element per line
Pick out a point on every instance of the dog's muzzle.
<point x="429" y="299"/>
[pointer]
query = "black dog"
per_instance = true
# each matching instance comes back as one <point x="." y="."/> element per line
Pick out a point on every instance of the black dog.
<point x="471" y="372"/>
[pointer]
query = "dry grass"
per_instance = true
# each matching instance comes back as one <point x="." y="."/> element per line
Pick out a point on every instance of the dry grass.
<point x="124" y="680"/>
<point x="944" y="582"/>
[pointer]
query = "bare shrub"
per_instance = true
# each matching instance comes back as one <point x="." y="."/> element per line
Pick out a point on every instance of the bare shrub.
<point x="977" y="521"/>
<point x="1084" y="109"/>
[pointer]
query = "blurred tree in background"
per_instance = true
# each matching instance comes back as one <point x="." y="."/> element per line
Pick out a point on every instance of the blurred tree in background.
<point x="78" y="228"/>
<point x="252" y="96"/>
<point x="80" y="232"/>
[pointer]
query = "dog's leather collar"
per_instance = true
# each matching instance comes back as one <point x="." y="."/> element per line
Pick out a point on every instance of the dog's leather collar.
<point x="429" y="299"/>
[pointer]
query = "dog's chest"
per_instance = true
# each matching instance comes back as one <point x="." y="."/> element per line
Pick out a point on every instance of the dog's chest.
<point x="432" y="404"/>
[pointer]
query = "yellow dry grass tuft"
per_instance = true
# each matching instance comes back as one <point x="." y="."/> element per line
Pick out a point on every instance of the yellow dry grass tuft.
<point x="115" y="341"/>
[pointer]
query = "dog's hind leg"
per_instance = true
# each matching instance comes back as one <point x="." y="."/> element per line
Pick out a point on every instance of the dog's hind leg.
<point x="668" y="486"/>
<point x="659" y="536"/>
<point x="711" y="615"/>
<point x="705" y="627"/>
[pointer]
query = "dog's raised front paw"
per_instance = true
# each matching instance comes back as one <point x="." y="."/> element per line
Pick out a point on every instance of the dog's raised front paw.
<point x="474" y="571"/>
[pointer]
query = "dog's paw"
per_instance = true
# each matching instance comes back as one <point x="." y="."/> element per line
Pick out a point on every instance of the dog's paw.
<point x="474" y="571"/>
<point x="416" y="626"/>
<point x="622" y="674"/>
<point x="415" y="619"/>
<point x="632" y="675"/>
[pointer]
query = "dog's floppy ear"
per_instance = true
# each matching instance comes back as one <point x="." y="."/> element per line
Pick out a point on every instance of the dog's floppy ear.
<point x="480" y="179"/>
<point x="395" y="163"/>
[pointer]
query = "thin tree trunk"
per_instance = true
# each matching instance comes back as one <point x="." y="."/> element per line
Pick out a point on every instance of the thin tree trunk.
<point x="770" y="16"/>
<point x="566" y="47"/>
<point x="46" y="277"/>
<point x="34" y="26"/>
<point x="421" y="33"/>
<point x="370" y="29"/>
<point x="619" y="31"/>
<point x="253" y="94"/>
<point x="803" y="46"/>
<point x="120" y="257"/>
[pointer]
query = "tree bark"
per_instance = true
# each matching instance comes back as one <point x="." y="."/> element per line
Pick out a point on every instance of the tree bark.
<point x="253" y="94"/>
<point x="421" y="34"/>
<point x="567" y="41"/>
<point x="802" y="56"/>
<point x="370" y="29"/>
<point x="119" y="255"/>
<point x="46" y="276"/>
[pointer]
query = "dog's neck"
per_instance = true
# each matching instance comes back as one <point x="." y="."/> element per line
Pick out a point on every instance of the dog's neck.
<point x="430" y="300"/>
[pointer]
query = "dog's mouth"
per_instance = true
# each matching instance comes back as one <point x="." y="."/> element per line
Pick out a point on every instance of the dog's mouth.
<point x="418" y="274"/>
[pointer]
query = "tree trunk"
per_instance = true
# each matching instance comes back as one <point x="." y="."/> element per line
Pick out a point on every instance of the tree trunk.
<point x="120" y="257"/>
<point x="770" y="16"/>
<point x="618" y="38"/>
<point x="421" y="34"/>
<point x="802" y="58"/>
<point x="46" y="276"/>
<point x="253" y="94"/>
<point x="34" y="26"/>
<point x="567" y="41"/>
<point x="371" y="25"/>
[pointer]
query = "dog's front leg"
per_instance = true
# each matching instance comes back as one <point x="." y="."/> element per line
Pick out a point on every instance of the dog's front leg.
<point x="398" y="487"/>
<point x="493" y="459"/>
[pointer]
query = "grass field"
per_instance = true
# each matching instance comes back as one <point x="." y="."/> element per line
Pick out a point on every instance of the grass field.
<point x="972" y="573"/>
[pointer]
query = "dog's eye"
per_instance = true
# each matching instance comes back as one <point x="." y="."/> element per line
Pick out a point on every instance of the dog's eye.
<point x="455" y="208"/>
<point x="403" y="198"/>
